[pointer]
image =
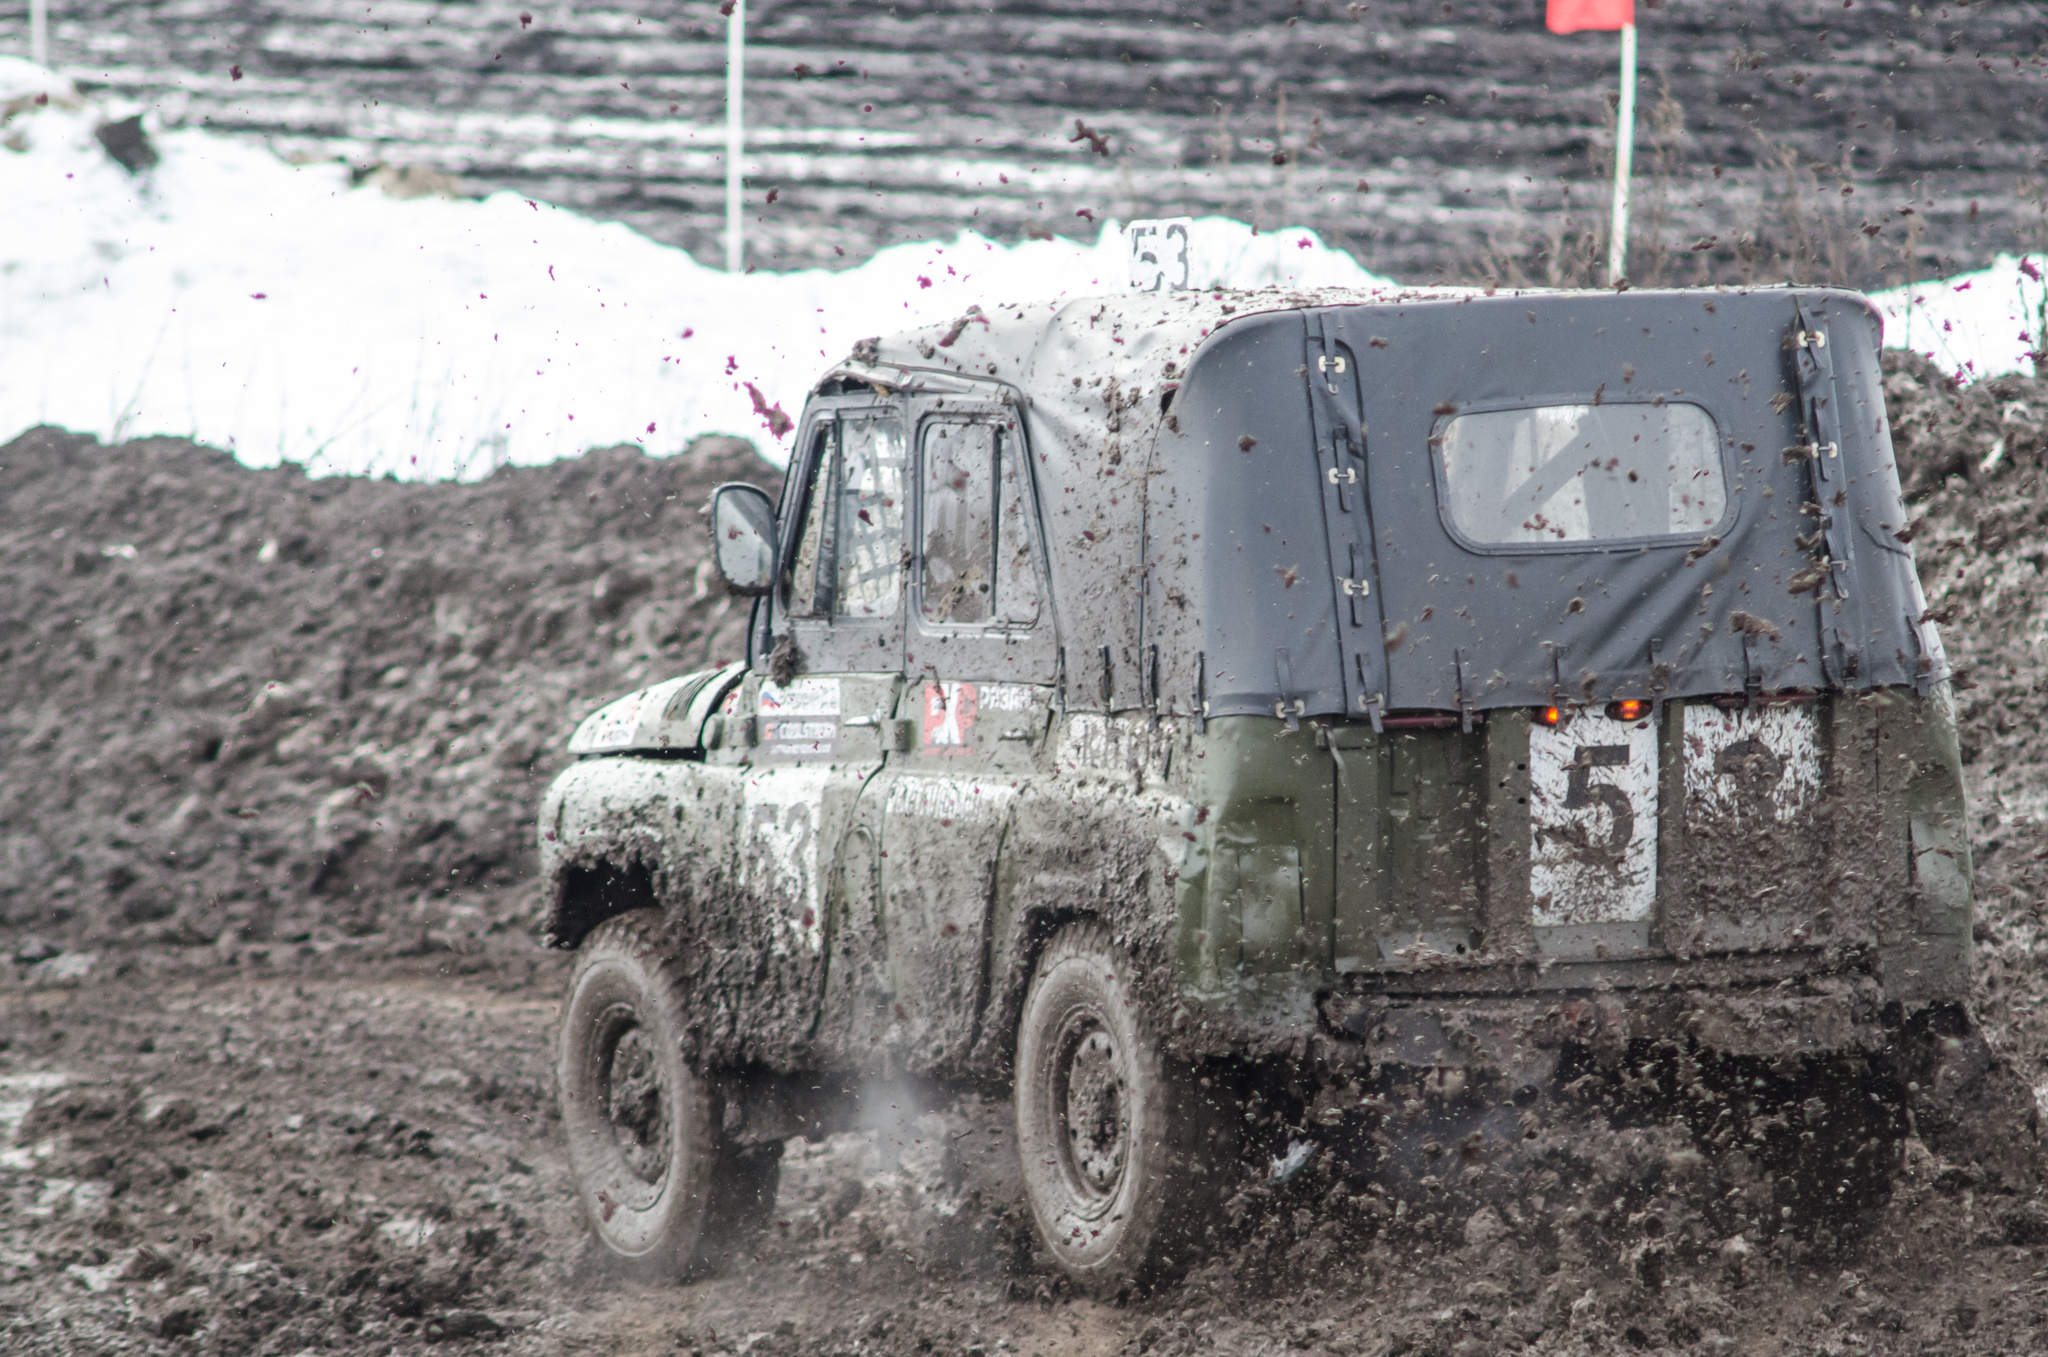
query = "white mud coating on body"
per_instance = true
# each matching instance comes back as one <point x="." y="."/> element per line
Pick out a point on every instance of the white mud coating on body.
<point x="1087" y="741"/>
<point x="1748" y="764"/>
<point x="612" y="725"/>
<point x="1593" y="821"/>
<point x="1119" y="745"/>
<point x="780" y="858"/>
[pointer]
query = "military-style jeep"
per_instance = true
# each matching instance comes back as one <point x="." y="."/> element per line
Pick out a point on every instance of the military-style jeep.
<point x="1382" y="686"/>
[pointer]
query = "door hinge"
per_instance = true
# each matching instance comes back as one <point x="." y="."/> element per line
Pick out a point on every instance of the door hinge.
<point x="1465" y="696"/>
<point x="1289" y="711"/>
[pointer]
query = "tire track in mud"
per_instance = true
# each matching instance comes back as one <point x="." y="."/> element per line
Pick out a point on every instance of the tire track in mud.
<point x="368" y="1160"/>
<point x="1473" y="127"/>
<point x="278" y="1158"/>
<point x="280" y="1162"/>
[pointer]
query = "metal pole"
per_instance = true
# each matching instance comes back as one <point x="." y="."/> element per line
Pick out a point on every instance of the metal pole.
<point x="1624" y="147"/>
<point x="735" y="140"/>
<point x="39" y="32"/>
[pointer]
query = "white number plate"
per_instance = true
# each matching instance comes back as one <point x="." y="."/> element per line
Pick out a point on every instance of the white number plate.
<point x="1752" y="767"/>
<point x="1593" y="821"/>
<point x="1162" y="254"/>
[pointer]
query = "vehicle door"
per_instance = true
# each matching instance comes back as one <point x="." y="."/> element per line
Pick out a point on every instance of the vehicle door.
<point x="980" y="663"/>
<point x="1405" y="814"/>
<point x="1538" y="505"/>
<point x="824" y="695"/>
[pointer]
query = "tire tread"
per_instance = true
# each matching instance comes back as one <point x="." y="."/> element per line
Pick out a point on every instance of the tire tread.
<point x="741" y="1182"/>
<point x="1189" y="1198"/>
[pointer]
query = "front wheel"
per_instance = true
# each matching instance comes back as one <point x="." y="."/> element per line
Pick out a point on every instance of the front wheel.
<point x="660" y="1185"/>
<point x="1109" y="1133"/>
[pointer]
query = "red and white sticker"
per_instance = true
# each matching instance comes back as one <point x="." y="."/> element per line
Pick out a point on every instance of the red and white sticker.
<point x="949" y="712"/>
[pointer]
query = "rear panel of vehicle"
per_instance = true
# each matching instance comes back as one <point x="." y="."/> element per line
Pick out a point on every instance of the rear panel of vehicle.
<point x="1703" y="840"/>
<point x="1682" y="718"/>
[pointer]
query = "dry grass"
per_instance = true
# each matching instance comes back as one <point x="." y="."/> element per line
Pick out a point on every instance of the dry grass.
<point x="1782" y="218"/>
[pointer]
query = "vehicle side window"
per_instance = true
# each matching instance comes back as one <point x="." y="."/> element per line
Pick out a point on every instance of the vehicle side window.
<point x="869" y="531"/>
<point x="978" y="561"/>
<point x="1016" y="573"/>
<point x="809" y="596"/>
<point x="959" y="537"/>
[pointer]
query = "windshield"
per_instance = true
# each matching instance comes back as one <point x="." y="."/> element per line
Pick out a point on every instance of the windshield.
<point x="1581" y="473"/>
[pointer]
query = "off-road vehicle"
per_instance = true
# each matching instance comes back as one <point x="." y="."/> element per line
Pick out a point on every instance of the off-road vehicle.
<point x="1420" y="695"/>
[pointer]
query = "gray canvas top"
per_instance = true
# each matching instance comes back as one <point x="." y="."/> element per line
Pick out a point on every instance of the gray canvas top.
<point x="1261" y="502"/>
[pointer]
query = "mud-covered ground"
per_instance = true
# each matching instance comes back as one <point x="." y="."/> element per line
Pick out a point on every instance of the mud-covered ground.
<point x="248" y="707"/>
<point x="1431" y="138"/>
<point x="281" y="1158"/>
<point x="274" y="1030"/>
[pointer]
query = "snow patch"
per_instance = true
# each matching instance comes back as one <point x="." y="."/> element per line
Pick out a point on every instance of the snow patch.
<point x="279" y="312"/>
<point x="1977" y="324"/>
<point x="18" y="1094"/>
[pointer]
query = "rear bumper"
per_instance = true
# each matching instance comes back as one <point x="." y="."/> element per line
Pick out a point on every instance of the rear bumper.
<point x="1771" y="1007"/>
<point x="1518" y="1018"/>
<point x="1526" y="1033"/>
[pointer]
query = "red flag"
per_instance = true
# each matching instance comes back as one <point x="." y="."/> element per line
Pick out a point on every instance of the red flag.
<point x="1571" y="16"/>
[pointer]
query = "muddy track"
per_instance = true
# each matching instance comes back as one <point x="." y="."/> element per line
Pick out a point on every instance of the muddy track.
<point x="367" y="1159"/>
<point x="1431" y="139"/>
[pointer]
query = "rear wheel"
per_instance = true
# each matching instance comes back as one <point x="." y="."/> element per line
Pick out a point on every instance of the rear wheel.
<point x="1108" y="1131"/>
<point x="662" y="1188"/>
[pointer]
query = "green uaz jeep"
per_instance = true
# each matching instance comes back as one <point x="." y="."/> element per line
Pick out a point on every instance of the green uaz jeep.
<point x="1146" y="688"/>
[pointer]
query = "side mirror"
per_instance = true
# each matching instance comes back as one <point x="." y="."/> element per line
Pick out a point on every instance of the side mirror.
<point x="743" y="537"/>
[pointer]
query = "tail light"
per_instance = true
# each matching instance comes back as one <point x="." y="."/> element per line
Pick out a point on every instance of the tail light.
<point x="1628" y="709"/>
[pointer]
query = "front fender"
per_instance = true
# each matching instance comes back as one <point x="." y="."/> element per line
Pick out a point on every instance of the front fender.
<point x="605" y="815"/>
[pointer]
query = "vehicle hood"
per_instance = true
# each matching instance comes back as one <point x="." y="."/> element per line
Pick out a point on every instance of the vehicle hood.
<point x="666" y="718"/>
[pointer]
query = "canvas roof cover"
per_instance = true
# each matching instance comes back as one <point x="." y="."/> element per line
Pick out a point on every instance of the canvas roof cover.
<point x="1208" y="550"/>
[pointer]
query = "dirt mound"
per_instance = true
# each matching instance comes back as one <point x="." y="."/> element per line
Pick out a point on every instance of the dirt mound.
<point x="249" y="708"/>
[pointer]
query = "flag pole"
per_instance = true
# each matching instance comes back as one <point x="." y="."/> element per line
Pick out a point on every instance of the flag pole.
<point x="39" y="32"/>
<point x="1624" y="147"/>
<point x="735" y="78"/>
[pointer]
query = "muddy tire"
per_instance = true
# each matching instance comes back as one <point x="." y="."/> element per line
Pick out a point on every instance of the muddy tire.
<point x="664" y="1193"/>
<point x="1108" y="1131"/>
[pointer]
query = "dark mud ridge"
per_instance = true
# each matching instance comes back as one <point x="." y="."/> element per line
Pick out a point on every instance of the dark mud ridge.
<point x="248" y="708"/>
<point x="275" y="1029"/>
<point x="1432" y="139"/>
